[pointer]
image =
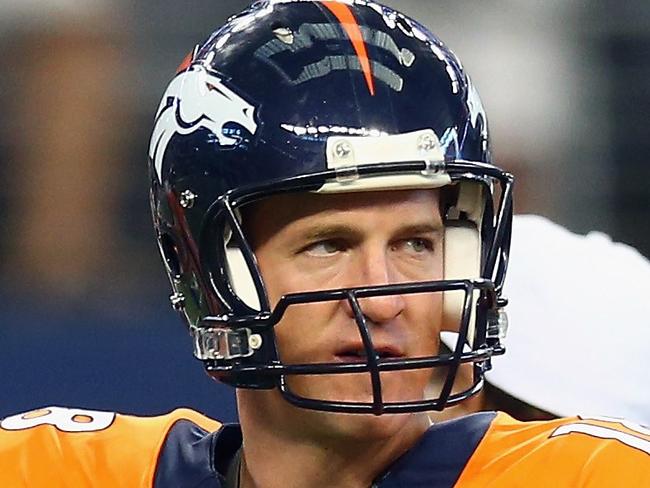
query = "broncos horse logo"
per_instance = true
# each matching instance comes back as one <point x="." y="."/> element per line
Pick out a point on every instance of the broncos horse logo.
<point x="198" y="99"/>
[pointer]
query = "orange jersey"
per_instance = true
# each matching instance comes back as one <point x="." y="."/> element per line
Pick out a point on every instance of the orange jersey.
<point x="59" y="447"/>
<point x="570" y="452"/>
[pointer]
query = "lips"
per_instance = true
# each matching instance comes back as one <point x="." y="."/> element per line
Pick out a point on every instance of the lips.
<point x="356" y="353"/>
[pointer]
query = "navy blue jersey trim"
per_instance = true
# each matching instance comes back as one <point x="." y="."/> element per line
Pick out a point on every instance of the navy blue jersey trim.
<point x="194" y="458"/>
<point x="186" y="458"/>
<point x="227" y="442"/>
<point x="439" y="457"/>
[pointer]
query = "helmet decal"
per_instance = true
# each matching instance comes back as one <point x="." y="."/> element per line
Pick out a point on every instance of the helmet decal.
<point x="474" y="103"/>
<point x="352" y="29"/>
<point x="198" y="99"/>
<point x="307" y="34"/>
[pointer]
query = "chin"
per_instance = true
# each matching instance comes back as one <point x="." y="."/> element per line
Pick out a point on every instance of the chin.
<point x="397" y="386"/>
<point x="357" y="388"/>
<point x="362" y="428"/>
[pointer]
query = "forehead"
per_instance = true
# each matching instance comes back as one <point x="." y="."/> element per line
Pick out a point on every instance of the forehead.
<point x="278" y="212"/>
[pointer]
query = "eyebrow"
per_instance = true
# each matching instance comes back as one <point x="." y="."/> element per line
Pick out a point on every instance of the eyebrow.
<point x="328" y="231"/>
<point x="424" y="228"/>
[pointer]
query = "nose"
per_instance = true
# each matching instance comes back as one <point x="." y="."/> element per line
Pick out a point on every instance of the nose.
<point x="376" y="270"/>
<point x="381" y="310"/>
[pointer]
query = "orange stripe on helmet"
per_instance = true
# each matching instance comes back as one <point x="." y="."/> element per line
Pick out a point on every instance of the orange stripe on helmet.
<point x="345" y="16"/>
<point x="187" y="60"/>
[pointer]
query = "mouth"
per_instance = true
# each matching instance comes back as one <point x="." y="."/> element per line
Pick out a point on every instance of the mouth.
<point x="357" y="354"/>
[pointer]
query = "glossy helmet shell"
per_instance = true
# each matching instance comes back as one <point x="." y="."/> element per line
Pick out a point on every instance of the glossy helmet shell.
<point x="251" y="112"/>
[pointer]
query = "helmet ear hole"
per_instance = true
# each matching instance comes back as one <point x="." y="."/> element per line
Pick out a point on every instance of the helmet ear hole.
<point x="241" y="279"/>
<point x="238" y="273"/>
<point x="169" y="252"/>
<point x="462" y="260"/>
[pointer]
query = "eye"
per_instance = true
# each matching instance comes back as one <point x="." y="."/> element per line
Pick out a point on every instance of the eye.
<point x="416" y="245"/>
<point x="327" y="247"/>
<point x="420" y="245"/>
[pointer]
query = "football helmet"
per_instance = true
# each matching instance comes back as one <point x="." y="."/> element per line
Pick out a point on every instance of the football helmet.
<point x="324" y="97"/>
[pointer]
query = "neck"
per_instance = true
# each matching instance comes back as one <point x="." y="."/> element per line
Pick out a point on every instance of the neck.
<point x="290" y="447"/>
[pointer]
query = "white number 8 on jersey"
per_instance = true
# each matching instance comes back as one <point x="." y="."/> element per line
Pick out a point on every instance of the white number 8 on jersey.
<point x="64" y="419"/>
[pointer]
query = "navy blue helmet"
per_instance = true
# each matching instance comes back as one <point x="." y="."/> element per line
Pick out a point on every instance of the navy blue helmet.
<point x="324" y="97"/>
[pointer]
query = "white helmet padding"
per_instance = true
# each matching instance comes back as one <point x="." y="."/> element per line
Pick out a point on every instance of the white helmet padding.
<point x="462" y="254"/>
<point x="240" y="277"/>
<point x="461" y="261"/>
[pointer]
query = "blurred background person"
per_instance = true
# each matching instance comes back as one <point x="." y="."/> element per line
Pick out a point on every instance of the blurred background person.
<point x="62" y="130"/>
<point x="565" y="84"/>
<point x="581" y="324"/>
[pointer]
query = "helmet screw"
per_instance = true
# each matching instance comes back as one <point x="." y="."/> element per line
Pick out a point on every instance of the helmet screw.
<point x="255" y="341"/>
<point x="177" y="300"/>
<point x="406" y="57"/>
<point x="426" y="143"/>
<point x="284" y="34"/>
<point x="343" y="150"/>
<point x="187" y="199"/>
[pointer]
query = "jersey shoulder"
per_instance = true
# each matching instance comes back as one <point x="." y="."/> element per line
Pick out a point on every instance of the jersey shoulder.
<point x="576" y="451"/>
<point x="58" y="446"/>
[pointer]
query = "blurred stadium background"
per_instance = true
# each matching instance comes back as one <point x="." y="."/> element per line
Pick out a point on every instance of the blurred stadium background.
<point x="84" y="317"/>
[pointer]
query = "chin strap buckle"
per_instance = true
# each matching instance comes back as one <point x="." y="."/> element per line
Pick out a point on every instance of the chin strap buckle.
<point x="497" y="325"/>
<point x="220" y="343"/>
<point x="497" y="329"/>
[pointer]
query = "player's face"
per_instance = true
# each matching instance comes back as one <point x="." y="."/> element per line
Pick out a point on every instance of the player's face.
<point x="307" y="242"/>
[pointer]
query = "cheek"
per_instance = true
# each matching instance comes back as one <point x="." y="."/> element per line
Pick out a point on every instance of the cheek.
<point x="284" y="276"/>
<point x="303" y="333"/>
<point x="423" y="313"/>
